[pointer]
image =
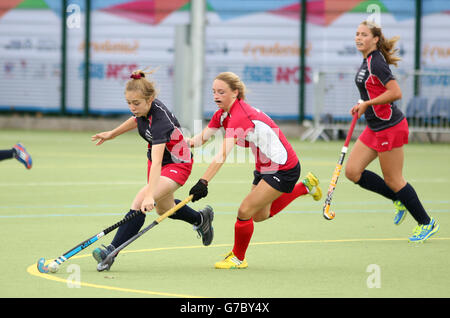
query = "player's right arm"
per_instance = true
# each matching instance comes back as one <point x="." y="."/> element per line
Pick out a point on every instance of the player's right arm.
<point x="219" y="159"/>
<point x="202" y="137"/>
<point x="128" y="125"/>
<point x="200" y="190"/>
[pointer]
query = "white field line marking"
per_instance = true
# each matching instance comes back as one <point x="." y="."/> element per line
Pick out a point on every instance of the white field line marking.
<point x="94" y="183"/>
<point x="346" y="211"/>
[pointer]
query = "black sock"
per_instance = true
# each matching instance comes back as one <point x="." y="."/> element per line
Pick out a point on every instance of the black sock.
<point x="408" y="196"/>
<point x="129" y="229"/>
<point x="187" y="214"/>
<point x="7" y="154"/>
<point x="373" y="182"/>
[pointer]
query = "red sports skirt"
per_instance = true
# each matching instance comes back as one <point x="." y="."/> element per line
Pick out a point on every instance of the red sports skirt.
<point x="384" y="140"/>
<point x="178" y="172"/>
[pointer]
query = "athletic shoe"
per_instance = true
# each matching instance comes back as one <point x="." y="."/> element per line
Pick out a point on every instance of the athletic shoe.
<point x="205" y="229"/>
<point x="100" y="255"/>
<point x="21" y="154"/>
<point x="424" y="231"/>
<point x="401" y="212"/>
<point x="231" y="262"/>
<point x="312" y="183"/>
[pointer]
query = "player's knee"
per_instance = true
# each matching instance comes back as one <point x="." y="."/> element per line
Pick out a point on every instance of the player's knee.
<point x="394" y="183"/>
<point x="245" y="212"/>
<point x="352" y="174"/>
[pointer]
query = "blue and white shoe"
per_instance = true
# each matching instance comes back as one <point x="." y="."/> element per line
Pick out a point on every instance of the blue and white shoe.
<point x="401" y="212"/>
<point x="100" y="255"/>
<point x="22" y="155"/>
<point x="423" y="232"/>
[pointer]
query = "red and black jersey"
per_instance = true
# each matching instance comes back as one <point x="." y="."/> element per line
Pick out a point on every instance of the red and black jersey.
<point x="252" y="128"/>
<point x="161" y="126"/>
<point x="371" y="79"/>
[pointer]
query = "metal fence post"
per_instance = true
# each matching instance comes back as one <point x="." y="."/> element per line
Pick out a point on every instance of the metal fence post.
<point x="63" y="57"/>
<point x="418" y="46"/>
<point x="301" y="95"/>
<point x="87" y="58"/>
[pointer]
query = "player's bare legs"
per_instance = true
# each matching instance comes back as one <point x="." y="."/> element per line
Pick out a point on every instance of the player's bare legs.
<point x="257" y="203"/>
<point x="391" y="163"/>
<point x="360" y="157"/>
<point x="162" y="197"/>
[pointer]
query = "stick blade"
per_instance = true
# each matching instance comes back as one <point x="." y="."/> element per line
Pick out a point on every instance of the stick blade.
<point x="42" y="268"/>
<point x="327" y="213"/>
<point x="105" y="264"/>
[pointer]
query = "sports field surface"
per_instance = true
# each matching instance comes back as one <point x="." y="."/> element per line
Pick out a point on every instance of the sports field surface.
<point x="76" y="189"/>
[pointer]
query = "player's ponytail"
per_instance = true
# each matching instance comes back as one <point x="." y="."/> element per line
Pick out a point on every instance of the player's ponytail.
<point x="139" y="82"/>
<point x="385" y="46"/>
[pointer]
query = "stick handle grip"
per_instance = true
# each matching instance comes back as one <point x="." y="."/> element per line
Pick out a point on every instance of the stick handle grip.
<point x="352" y="127"/>
<point x="350" y="131"/>
<point x="124" y="220"/>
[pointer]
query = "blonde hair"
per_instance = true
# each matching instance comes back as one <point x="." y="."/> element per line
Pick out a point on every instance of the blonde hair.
<point x="139" y="82"/>
<point x="234" y="82"/>
<point x="385" y="46"/>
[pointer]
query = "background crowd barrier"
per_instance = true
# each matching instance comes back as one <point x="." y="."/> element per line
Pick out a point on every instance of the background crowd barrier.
<point x="425" y="103"/>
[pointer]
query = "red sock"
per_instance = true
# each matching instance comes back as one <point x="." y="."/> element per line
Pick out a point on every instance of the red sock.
<point x="243" y="231"/>
<point x="286" y="198"/>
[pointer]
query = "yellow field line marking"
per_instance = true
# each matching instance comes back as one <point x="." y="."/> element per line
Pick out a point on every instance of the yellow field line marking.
<point x="32" y="269"/>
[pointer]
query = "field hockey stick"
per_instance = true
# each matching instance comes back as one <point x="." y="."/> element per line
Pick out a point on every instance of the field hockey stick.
<point x="107" y="262"/>
<point x="53" y="267"/>
<point x="327" y="213"/>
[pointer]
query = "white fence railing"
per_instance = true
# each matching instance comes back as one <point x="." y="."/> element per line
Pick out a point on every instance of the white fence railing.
<point x="427" y="108"/>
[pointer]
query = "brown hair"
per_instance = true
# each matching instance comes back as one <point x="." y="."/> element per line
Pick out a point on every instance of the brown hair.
<point x="385" y="46"/>
<point x="234" y="82"/>
<point x="139" y="82"/>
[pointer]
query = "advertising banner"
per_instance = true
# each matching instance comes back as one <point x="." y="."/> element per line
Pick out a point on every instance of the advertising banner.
<point x="258" y="40"/>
